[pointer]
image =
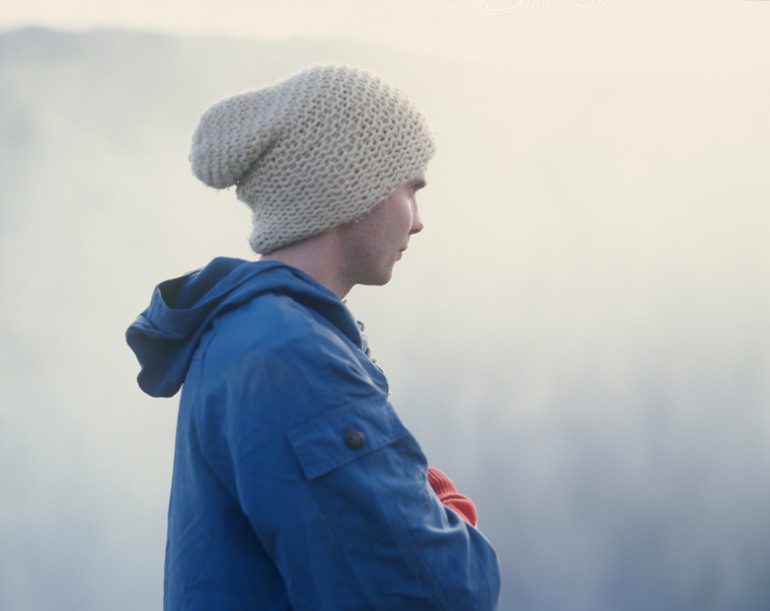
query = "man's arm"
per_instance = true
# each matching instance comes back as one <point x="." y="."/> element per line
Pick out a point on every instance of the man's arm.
<point x="335" y="488"/>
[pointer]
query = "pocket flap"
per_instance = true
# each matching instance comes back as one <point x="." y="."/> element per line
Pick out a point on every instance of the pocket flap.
<point x="343" y="435"/>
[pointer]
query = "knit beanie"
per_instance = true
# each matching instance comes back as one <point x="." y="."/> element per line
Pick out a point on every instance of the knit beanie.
<point x="314" y="151"/>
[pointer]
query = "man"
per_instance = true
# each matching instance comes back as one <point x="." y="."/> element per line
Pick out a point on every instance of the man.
<point x="295" y="484"/>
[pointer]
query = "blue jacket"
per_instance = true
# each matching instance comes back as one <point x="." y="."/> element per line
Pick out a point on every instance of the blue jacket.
<point x="295" y="484"/>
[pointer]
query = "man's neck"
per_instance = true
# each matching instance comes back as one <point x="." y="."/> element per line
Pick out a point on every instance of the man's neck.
<point x="317" y="256"/>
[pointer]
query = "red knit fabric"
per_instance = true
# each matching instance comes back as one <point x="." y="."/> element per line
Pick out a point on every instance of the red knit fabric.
<point x="448" y="495"/>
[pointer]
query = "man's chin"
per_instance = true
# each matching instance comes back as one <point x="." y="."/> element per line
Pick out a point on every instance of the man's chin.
<point x="378" y="279"/>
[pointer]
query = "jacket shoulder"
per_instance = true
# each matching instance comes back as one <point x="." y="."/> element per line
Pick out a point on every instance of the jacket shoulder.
<point x="269" y="324"/>
<point x="272" y="365"/>
<point x="274" y="346"/>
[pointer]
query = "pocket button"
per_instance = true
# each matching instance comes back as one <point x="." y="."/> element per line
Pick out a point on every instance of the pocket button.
<point x="355" y="440"/>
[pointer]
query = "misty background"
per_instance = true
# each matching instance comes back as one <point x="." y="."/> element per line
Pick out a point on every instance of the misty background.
<point x="579" y="337"/>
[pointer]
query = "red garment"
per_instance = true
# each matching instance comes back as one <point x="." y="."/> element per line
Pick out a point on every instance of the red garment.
<point x="448" y="495"/>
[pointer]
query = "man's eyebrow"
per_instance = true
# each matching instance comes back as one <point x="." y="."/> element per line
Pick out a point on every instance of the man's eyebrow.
<point x="418" y="183"/>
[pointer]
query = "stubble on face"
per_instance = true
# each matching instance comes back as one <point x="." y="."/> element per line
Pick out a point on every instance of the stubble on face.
<point x="364" y="263"/>
<point x="373" y="243"/>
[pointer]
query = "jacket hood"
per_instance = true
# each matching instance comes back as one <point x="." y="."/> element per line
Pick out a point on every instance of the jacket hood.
<point x="165" y="336"/>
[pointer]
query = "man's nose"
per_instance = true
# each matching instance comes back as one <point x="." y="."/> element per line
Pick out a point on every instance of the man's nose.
<point x="417" y="225"/>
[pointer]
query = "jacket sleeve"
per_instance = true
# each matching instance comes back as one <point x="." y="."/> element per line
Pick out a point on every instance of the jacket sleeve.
<point x="335" y="487"/>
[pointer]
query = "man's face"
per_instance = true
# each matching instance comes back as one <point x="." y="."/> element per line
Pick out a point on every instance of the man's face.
<point x="375" y="242"/>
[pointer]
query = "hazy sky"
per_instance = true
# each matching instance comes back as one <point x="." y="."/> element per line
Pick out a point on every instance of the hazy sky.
<point x="535" y="33"/>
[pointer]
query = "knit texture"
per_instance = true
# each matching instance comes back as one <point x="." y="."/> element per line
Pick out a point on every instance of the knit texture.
<point x="447" y="493"/>
<point x="314" y="151"/>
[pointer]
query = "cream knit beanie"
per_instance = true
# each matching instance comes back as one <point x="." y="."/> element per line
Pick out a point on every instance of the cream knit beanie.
<point x="317" y="150"/>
